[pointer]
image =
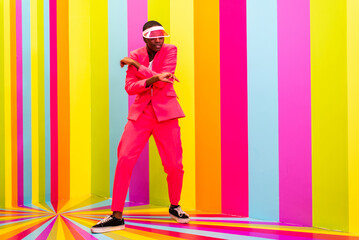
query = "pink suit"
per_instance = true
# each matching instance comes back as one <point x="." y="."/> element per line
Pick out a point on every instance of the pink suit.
<point x="155" y="111"/>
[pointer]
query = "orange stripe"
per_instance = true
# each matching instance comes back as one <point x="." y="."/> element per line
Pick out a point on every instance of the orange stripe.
<point x="13" y="101"/>
<point x="207" y="106"/>
<point x="63" y="92"/>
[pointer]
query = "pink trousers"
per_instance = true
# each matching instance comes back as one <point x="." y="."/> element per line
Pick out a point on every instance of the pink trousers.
<point x="135" y="136"/>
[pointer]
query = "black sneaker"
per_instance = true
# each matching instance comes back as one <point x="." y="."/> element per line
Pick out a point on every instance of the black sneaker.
<point x="179" y="215"/>
<point x="109" y="223"/>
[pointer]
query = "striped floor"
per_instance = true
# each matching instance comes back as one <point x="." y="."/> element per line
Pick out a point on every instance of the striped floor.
<point x="75" y="218"/>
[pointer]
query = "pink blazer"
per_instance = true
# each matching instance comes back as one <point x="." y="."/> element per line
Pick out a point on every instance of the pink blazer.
<point x="162" y="94"/>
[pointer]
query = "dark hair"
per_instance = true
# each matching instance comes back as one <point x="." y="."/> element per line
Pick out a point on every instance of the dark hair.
<point x="150" y="24"/>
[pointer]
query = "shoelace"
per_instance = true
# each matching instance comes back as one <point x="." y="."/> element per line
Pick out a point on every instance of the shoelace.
<point x="180" y="211"/>
<point x="105" y="220"/>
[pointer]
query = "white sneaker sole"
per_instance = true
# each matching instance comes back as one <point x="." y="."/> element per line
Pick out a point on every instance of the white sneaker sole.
<point x="107" y="229"/>
<point x="180" y="220"/>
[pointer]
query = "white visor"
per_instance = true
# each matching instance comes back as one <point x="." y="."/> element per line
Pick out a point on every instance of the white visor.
<point x="155" y="32"/>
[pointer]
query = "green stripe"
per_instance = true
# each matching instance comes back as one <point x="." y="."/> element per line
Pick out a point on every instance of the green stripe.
<point x="329" y="114"/>
<point x="158" y="184"/>
<point x="2" y="108"/>
<point x="99" y="99"/>
<point x="41" y="98"/>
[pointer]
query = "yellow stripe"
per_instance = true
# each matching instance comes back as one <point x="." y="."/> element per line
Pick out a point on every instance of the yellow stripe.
<point x="100" y="173"/>
<point x="80" y="101"/>
<point x="34" y="101"/>
<point x="329" y="114"/>
<point x="7" y="71"/>
<point x="353" y="112"/>
<point x="60" y="229"/>
<point x="181" y="19"/>
<point x="158" y="183"/>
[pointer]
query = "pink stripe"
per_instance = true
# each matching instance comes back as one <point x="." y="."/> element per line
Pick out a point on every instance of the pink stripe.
<point x="20" y="147"/>
<point x="137" y="16"/>
<point x="294" y="89"/>
<point x="234" y="125"/>
<point x="53" y="103"/>
<point x="47" y="230"/>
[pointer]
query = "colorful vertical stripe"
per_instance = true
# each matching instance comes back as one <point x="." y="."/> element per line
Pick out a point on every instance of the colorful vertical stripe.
<point x="136" y="17"/>
<point x="263" y="109"/>
<point x="63" y="98"/>
<point x="353" y="112"/>
<point x="295" y="183"/>
<point x="26" y="66"/>
<point x="2" y="105"/>
<point x="328" y="30"/>
<point x="53" y="101"/>
<point x="117" y="49"/>
<point x="99" y="98"/>
<point x="207" y="102"/>
<point x="182" y="35"/>
<point x="80" y="98"/>
<point x="157" y="180"/>
<point x="234" y="130"/>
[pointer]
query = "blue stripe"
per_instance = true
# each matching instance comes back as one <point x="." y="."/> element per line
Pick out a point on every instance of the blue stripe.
<point x="47" y="102"/>
<point x="263" y="109"/>
<point x="26" y="67"/>
<point x="117" y="49"/>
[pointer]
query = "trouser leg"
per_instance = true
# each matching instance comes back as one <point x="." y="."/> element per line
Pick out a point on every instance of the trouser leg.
<point x="133" y="140"/>
<point x="168" y="140"/>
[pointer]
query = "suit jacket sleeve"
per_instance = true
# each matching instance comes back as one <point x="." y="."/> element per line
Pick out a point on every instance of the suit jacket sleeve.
<point x="168" y="65"/>
<point x="133" y="84"/>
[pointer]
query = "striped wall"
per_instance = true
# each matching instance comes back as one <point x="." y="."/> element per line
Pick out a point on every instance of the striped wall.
<point x="269" y="89"/>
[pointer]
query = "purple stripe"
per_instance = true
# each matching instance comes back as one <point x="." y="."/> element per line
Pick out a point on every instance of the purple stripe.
<point x="294" y="109"/>
<point x="47" y="230"/>
<point x="139" y="185"/>
<point x="20" y="152"/>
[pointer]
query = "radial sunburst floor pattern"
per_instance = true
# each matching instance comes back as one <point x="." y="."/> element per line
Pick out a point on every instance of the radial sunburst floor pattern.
<point x="74" y="219"/>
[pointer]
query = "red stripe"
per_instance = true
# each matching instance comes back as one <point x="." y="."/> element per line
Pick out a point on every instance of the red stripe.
<point x="234" y="124"/>
<point x="53" y="103"/>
